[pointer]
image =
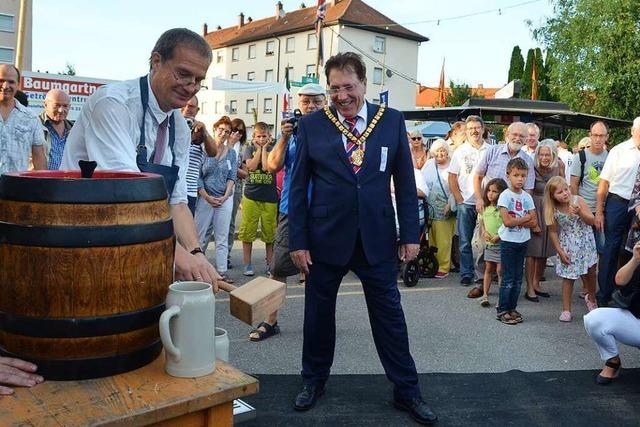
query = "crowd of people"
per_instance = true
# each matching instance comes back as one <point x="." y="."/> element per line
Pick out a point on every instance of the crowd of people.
<point x="506" y="209"/>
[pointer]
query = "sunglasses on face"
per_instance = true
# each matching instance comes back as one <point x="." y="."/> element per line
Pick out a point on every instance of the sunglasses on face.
<point x="237" y="130"/>
<point x="416" y="138"/>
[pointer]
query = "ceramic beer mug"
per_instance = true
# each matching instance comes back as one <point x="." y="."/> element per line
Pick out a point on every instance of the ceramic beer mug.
<point x="188" y="343"/>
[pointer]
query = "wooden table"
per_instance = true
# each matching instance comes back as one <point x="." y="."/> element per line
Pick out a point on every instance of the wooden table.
<point x="145" y="396"/>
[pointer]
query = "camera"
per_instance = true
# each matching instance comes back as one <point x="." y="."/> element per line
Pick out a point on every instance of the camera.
<point x="190" y="122"/>
<point x="294" y="120"/>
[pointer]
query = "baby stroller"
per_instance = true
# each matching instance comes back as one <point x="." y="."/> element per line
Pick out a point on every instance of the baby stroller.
<point x="425" y="264"/>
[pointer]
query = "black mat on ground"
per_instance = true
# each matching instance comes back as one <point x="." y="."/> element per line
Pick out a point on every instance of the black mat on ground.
<point x="515" y="398"/>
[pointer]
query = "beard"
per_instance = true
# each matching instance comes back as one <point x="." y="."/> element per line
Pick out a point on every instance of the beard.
<point x="514" y="146"/>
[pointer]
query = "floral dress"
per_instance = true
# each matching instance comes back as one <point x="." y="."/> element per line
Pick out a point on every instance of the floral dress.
<point x="576" y="239"/>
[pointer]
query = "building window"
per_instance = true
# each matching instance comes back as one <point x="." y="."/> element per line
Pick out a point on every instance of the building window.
<point x="311" y="70"/>
<point x="291" y="44"/>
<point x="377" y="76"/>
<point x="252" y="51"/>
<point x="379" y="44"/>
<point x="312" y="41"/>
<point x="233" y="107"/>
<point x="251" y="105"/>
<point x="234" y="77"/>
<point x="235" y="54"/>
<point x="219" y="57"/>
<point x="6" y="55"/>
<point x="251" y="75"/>
<point x="268" y="105"/>
<point x="268" y="75"/>
<point x="6" y="23"/>
<point x="216" y="107"/>
<point x="271" y="47"/>
<point x="290" y="72"/>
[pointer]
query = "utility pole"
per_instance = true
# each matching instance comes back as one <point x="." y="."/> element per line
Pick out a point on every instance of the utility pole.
<point x="21" y="31"/>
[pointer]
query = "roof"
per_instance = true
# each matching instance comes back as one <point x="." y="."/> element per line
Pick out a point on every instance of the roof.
<point x="506" y="111"/>
<point x="429" y="96"/>
<point x="344" y="12"/>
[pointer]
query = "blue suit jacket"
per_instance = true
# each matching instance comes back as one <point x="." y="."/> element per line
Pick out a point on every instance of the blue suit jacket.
<point x="342" y="202"/>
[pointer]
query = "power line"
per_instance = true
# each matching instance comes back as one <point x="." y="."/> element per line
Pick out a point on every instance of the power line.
<point x="451" y="18"/>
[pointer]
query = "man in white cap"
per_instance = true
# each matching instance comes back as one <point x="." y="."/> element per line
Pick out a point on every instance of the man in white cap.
<point x="311" y="97"/>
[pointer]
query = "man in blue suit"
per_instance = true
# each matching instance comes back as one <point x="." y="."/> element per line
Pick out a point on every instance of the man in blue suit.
<point x="350" y="152"/>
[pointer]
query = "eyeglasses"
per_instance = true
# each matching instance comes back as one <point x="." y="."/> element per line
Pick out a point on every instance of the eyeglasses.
<point x="237" y="130"/>
<point x="345" y="88"/>
<point x="185" y="78"/>
<point x="416" y="138"/>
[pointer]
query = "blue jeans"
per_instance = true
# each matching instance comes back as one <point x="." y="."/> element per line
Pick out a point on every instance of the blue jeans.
<point x="512" y="260"/>
<point x="616" y="226"/>
<point x="467" y="216"/>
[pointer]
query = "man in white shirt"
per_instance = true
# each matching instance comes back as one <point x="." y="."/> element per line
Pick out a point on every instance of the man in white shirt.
<point x="20" y="131"/>
<point x="463" y="163"/>
<point x="617" y="179"/>
<point x="532" y="139"/>
<point x="122" y="121"/>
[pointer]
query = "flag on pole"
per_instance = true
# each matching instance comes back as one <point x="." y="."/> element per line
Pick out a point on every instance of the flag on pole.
<point x="442" y="90"/>
<point x="320" y="14"/>
<point x="534" y="79"/>
<point x="287" y="85"/>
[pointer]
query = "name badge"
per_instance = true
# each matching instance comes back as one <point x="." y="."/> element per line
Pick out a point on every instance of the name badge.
<point x="384" y="151"/>
<point x="228" y="165"/>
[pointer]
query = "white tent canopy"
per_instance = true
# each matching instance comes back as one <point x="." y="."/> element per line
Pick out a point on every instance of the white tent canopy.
<point x="230" y="85"/>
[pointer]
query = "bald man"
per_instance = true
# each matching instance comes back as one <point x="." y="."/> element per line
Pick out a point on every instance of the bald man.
<point x="55" y="126"/>
<point x="20" y="132"/>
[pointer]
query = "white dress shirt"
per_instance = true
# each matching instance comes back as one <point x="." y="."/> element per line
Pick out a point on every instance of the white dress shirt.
<point x="361" y="124"/>
<point x="108" y="132"/>
<point x="621" y="168"/>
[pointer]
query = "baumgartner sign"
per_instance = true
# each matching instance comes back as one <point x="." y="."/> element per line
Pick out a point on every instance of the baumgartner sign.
<point x="36" y="86"/>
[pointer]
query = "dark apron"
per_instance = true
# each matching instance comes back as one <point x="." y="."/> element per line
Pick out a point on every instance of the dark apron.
<point x="169" y="173"/>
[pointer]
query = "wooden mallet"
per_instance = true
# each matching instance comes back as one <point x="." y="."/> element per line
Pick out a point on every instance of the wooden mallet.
<point x="255" y="300"/>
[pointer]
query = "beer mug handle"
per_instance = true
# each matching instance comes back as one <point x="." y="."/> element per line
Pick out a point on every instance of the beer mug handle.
<point x="165" y="334"/>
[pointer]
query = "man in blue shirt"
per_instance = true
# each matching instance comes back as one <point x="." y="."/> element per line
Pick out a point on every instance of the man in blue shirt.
<point x="311" y="97"/>
<point x="55" y="125"/>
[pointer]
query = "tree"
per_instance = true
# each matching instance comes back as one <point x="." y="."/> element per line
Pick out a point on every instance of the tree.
<point x="595" y="45"/>
<point x="69" y="69"/>
<point x="516" y="66"/>
<point x="526" y="76"/>
<point x="458" y="93"/>
<point x="547" y="86"/>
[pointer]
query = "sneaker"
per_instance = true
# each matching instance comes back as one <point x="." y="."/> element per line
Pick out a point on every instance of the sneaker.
<point x="465" y="281"/>
<point x="440" y="275"/>
<point x="248" y="270"/>
<point x="590" y="305"/>
<point x="485" y="302"/>
<point x="565" y="316"/>
<point x="268" y="270"/>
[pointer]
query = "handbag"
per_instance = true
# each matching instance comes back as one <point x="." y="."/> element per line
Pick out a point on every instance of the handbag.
<point x="452" y="207"/>
<point x="477" y="242"/>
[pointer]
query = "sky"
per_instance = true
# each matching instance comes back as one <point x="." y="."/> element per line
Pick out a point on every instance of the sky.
<point x="113" y="39"/>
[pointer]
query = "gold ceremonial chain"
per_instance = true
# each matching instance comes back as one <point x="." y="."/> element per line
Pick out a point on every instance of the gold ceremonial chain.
<point x="357" y="156"/>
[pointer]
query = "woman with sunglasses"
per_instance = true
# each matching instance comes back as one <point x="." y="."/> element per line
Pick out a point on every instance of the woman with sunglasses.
<point x="236" y="141"/>
<point x="418" y="153"/>
<point x="215" y="191"/>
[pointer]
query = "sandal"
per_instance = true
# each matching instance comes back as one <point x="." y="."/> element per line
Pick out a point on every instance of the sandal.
<point x="516" y="316"/>
<point x="506" y="318"/>
<point x="226" y="279"/>
<point x="269" y="331"/>
<point x="608" y="380"/>
<point x="484" y="302"/>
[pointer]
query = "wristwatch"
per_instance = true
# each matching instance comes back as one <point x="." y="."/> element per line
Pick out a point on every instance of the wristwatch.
<point x="197" y="251"/>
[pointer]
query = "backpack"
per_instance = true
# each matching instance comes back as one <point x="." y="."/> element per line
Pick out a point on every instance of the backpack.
<point x="583" y="160"/>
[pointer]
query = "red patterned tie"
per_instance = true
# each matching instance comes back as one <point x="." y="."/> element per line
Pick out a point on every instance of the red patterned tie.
<point x="351" y="147"/>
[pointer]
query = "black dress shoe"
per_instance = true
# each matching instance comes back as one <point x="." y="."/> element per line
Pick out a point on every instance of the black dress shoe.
<point x="417" y="408"/>
<point x="308" y="396"/>
<point x="532" y="299"/>
<point x="542" y="294"/>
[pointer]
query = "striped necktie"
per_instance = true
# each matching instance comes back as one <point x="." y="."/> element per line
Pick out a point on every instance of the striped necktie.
<point x="351" y="147"/>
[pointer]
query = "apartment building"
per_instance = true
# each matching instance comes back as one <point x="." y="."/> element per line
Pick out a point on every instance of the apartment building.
<point x="9" y="16"/>
<point x="263" y="50"/>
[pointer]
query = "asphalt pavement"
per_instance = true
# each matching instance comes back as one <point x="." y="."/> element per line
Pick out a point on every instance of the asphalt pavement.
<point x="448" y="332"/>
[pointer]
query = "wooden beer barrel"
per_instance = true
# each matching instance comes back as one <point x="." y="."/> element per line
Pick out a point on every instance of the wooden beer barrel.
<point x="85" y="265"/>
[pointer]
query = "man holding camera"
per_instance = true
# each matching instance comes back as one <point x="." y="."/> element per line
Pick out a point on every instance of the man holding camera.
<point x="199" y="135"/>
<point x="311" y="97"/>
